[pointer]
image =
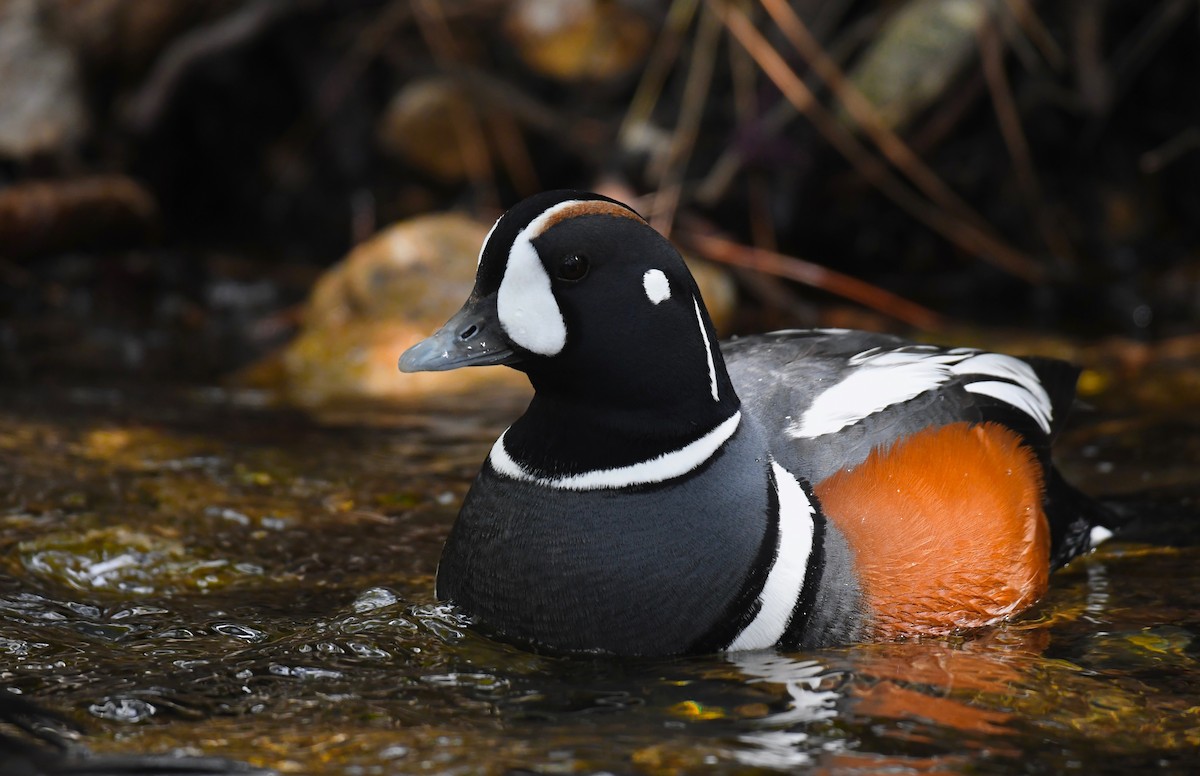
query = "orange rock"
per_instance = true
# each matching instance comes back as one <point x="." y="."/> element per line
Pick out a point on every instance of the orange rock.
<point x="577" y="40"/>
<point x="387" y="294"/>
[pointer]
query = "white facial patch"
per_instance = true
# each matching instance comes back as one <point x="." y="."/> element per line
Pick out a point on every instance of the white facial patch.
<point x="785" y="580"/>
<point x="881" y="379"/>
<point x="525" y="303"/>
<point x="658" y="289"/>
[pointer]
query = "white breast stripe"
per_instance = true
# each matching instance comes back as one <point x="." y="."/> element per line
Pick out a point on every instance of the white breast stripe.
<point x="786" y="578"/>
<point x="525" y="303"/>
<point x="660" y="469"/>
<point x="712" y="369"/>
<point x="881" y="379"/>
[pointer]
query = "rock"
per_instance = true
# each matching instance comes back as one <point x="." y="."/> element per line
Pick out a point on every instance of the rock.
<point x="386" y="295"/>
<point x="578" y="40"/>
<point x="428" y="125"/>
<point x="41" y="103"/>
<point x="47" y="216"/>
<point x="920" y="51"/>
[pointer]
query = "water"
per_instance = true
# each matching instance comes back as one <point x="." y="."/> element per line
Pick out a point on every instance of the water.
<point x="186" y="570"/>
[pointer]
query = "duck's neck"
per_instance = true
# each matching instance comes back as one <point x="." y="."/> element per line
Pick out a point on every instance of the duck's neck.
<point x="563" y="435"/>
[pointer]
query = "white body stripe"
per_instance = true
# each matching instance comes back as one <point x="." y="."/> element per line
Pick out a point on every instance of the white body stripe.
<point x="525" y="303"/>
<point x="659" y="469"/>
<point x="658" y="288"/>
<point x="881" y="379"/>
<point x="786" y="577"/>
<point x="712" y="369"/>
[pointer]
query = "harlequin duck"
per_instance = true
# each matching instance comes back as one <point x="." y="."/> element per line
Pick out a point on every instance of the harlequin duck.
<point x="666" y="494"/>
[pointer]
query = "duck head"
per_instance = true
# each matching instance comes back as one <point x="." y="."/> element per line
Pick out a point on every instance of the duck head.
<point x="577" y="291"/>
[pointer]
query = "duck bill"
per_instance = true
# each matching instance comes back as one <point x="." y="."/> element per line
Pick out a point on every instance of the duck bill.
<point x="472" y="337"/>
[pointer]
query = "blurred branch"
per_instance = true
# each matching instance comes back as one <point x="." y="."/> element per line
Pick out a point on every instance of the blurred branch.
<point x="662" y="57"/>
<point x="966" y="234"/>
<point x="691" y="111"/>
<point x="726" y="251"/>
<point x="731" y="161"/>
<point x="235" y="29"/>
<point x="1021" y="11"/>
<point x="991" y="53"/>
<point x="865" y="114"/>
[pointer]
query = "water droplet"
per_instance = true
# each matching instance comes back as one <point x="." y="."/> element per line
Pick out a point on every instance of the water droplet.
<point x="123" y="709"/>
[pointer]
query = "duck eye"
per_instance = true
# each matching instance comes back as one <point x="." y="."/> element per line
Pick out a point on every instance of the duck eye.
<point x="572" y="267"/>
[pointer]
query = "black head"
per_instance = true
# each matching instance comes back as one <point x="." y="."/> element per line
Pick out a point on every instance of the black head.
<point x="581" y="294"/>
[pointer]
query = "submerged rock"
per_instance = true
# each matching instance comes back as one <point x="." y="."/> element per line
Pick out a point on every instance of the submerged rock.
<point x="386" y="295"/>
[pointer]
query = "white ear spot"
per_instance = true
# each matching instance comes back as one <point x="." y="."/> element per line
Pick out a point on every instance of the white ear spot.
<point x="656" y="285"/>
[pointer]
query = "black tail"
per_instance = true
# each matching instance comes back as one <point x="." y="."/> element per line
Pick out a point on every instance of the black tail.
<point x="1073" y="517"/>
<point x="1160" y="519"/>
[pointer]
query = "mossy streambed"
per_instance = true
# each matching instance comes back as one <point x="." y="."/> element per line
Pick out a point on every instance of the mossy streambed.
<point x="181" y="569"/>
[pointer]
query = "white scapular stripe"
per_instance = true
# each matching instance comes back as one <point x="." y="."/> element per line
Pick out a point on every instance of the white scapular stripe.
<point x="1015" y="395"/>
<point x="786" y="578"/>
<point x="658" y="289"/>
<point x="525" y="303"/>
<point x="665" y="467"/>
<point x="1025" y="391"/>
<point x="712" y="368"/>
<point x="880" y="379"/>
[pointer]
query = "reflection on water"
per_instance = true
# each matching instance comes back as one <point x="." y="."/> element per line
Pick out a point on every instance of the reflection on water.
<point x="185" y="574"/>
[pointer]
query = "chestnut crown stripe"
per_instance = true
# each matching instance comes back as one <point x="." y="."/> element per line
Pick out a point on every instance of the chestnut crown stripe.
<point x="575" y="208"/>
<point x="525" y="303"/>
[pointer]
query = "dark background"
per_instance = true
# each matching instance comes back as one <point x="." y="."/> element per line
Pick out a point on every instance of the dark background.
<point x="174" y="176"/>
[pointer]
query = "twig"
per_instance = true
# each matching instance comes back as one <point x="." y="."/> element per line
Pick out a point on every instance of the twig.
<point x="814" y="275"/>
<point x="1035" y="31"/>
<point x="744" y="78"/>
<point x="966" y="235"/>
<point x="433" y="28"/>
<point x="991" y="54"/>
<point x="864" y="113"/>
<point x="584" y="136"/>
<point x="514" y="153"/>
<point x="1095" y="80"/>
<point x="731" y="161"/>
<point x="666" y="50"/>
<point x="695" y="95"/>
<point x="371" y="40"/>
<point x="1157" y="159"/>
<point x="1143" y="43"/>
<point x="147" y="105"/>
